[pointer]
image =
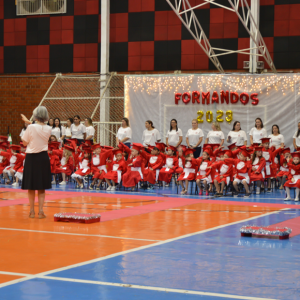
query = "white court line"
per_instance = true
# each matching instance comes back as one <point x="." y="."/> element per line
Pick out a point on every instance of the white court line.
<point x="15" y="274"/>
<point x="79" y="234"/>
<point x="159" y="289"/>
<point x="134" y="250"/>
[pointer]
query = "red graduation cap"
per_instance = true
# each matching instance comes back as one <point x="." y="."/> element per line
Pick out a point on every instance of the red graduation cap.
<point x="73" y="142"/>
<point x="259" y="148"/>
<point x="15" y="147"/>
<point x="221" y="153"/>
<point x="88" y="150"/>
<point x="295" y="154"/>
<point x="265" y="140"/>
<point x="3" y="137"/>
<point x="55" y="145"/>
<point x="161" y="146"/>
<point x="228" y="153"/>
<point x="117" y="151"/>
<point x="286" y="150"/>
<point x="188" y="151"/>
<point x="244" y="151"/>
<point x="207" y="146"/>
<point x="88" y="142"/>
<point x="70" y="148"/>
<point x="137" y="146"/>
<point x="94" y="147"/>
<point x="107" y="147"/>
<point x="215" y="146"/>
<point x="172" y="148"/>
<point x="208" y="150"/>
<point x="183" y="147"/>
<point x="3" y="145"/>
<point x="231" y="146"/>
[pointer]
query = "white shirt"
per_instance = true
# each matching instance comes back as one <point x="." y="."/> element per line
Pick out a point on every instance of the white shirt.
<point x="257" y="135"/>
<point x="37" y="137"/>
<point x="124" y="133"/>
<point x="237" y="137"/>
<point x="78" y="131"/>
<point x="22" y="132"/>
<point x="276" y="140"/>
<point x="90" y="130"/>
<point x="66" y="131"/>
<point x="150" y="137"/>
<point x="194" y="135"/>
<point x="173" y="137"/>
<point x="297" y="139"/>
<point x="215" y="137"/>
<point x="56" y="131"/>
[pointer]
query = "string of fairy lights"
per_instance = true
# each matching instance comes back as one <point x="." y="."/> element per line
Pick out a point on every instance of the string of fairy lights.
<point x="236" y="83"/>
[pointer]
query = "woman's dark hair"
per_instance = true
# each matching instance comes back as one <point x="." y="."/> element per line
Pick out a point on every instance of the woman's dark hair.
<point x="151" y="123"/>
<point x="71" y="120"/>
<point x="49" y="122"/>
<point x="171" y="124"/>
<point x="298" y="131"/>
<point x="126" y="120"/>
<point x="59" y="125"/>
<point x="77" y="117"/>
<point x="233" y="129"/>
<point x="277" y="128"/>
<point x="262" y="124"/>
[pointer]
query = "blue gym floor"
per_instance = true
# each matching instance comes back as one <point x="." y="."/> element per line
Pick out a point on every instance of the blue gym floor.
<point x="212" y="264"/>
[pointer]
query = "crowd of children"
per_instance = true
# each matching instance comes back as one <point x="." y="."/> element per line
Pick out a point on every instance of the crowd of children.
<point x="237" y="166"/>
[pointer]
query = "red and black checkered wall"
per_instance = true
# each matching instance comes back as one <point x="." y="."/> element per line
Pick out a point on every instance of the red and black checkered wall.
<point x="145" y="35"/>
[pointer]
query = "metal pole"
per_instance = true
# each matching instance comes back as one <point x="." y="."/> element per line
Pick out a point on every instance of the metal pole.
<point x="253" y="57"/>
<point x="104" y="66"/>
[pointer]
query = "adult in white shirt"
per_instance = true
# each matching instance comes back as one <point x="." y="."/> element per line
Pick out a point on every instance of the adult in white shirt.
<point x="296" y="138"/>
<point x="150" y="135"/>
<point x="194" y="138"/>
<point x="78" y="130"/>
<point x="90" y="130"/>
<point x="57" y="130"/>
<point x="237" y="135"/>
<point x="66" y="130"/>
<point x="37" y="170"/>
<point x="174" y="135"/>
<point x="276" y="138"/>
<point x="215" y="136"/>
<point x="258" y="132"/>
<point x="23" y="130"/>
<point x="124" y="134"/>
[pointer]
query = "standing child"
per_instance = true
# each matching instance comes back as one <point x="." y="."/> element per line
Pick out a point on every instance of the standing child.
<point x="4" y="160"/>
<point x="294" y="176"/>
<point x="284" y="169"/>
<point x="54" y="160"/>
<point x="19" y="170"/>
<point x="189" y="171"/>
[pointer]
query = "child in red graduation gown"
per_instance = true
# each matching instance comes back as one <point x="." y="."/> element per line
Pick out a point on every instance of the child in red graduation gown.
<point x="54" y="158"/>
<point x="243" y="167"/>
<point x="284" y="169"/>
<point x="19" y="170"/>
<point x="99" y="161"/>
<point x="67" y="164"/>
<point x="133" y="174"/>
<point x="118" y="168"/>
<point x="294" y="176"/>
<point x="269" y="154"/>
<point x="155" y="162"/>
<point x="84" y="166"/>
<point x="171" y="164"/>
<point x="4" y="160"/>
<point x="204" y="173"/>
<point x="15" y="161"/>
<point x="189" y="170"/>
<point x="224" y="174"/>
<point x="257" y="170"/>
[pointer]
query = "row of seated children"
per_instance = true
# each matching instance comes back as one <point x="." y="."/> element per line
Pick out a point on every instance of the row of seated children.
<point x="12" y="158"/>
